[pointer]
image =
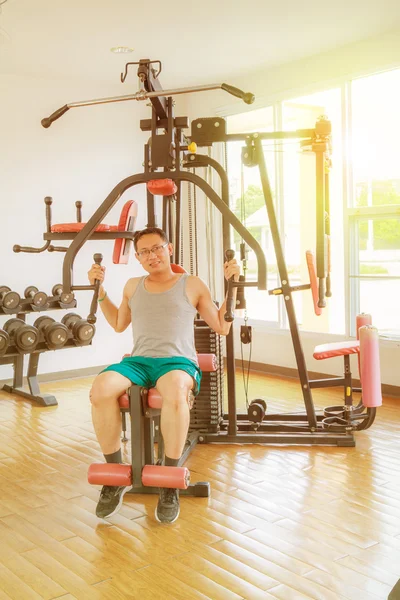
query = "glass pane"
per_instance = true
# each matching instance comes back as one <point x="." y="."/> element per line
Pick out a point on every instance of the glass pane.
<point x="247" y="202"/>
<point x="378" y="271"/>
<point x="299" y="192"/>
<point x="374" y="136"/>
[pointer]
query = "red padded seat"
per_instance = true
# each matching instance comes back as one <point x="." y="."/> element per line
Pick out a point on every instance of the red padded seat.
<point x="75" y="227"/>
<point x="123" y="400"/>
<point x="336" y="349"/>
<point x="154" y="399"/>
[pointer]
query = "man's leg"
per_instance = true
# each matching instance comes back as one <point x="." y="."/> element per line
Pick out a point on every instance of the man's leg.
<point x="174" y="388"/>
<point x="106" y="414"/>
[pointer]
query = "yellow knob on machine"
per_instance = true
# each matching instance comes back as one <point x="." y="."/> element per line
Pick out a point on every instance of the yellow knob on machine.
<point x="192" y="147"/>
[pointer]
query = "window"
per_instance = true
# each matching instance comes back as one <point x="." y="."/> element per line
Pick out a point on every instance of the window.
<point x="364" y="203"/>
<point x="374" y="201"/>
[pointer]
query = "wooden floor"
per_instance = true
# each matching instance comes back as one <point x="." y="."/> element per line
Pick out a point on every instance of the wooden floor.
<point x="282" y="522"/>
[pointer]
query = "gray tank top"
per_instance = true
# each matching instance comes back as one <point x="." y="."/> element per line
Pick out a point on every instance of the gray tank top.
<point x="162" y="323"/>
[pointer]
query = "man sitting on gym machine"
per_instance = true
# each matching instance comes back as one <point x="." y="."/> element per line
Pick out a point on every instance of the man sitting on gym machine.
<point x="161" y="307"/>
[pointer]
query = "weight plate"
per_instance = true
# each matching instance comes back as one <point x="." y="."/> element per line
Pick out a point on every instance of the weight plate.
<point x="4" y="288"/>
<point x="56" y="335"/>
<point x="40" y="299"/>
<point x="4" y="341"/>
<point x="84" y="331"/>
<point x="30" y="290"/>
<point x="56" y="290"/>
<point x="11" y="300"/>
<point x="12" y="325"/>
<point x="26" y="338"/>
<point x="67" y="298"/>
<point x="70" y="318"/>
<point x="43" y="322"/>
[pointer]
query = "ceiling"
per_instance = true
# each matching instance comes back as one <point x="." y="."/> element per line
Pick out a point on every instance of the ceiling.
<point x="211" y="41"/>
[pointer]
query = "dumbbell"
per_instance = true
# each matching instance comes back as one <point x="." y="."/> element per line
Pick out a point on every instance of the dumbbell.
<point x="39" y="299"/>
<point x="4" y="342"/>
<point x="256" y="410"/>
<point x="55" y="334"/>
<point x="57" y="290"/>
<point x="82" y="330"/>
<point x="25" y="337"/>
<point x="8" y="299"/>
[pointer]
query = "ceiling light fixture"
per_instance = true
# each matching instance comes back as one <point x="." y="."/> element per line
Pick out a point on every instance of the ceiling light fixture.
<point x="121" y="50"/>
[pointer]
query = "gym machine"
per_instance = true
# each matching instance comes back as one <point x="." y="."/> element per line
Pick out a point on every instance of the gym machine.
<point x="170" y="158"/>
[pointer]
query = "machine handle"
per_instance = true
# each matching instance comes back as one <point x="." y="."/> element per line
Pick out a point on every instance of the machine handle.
<point x="46" y="122"/>
<point x="247" y="97"/>
<point x="93" y="307"/>
<point x="229" y="316"/>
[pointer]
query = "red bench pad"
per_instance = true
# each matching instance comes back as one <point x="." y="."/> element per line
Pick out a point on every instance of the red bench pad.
<point x="75" y="227"/>
<point x="336" y="349"/>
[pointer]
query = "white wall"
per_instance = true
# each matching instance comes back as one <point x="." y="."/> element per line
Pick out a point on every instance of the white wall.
<point x="82" y="156"/>
<point x="285" y="82"/>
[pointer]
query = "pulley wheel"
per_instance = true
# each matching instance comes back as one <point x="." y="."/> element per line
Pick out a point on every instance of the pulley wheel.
<point x="27" y="338"/>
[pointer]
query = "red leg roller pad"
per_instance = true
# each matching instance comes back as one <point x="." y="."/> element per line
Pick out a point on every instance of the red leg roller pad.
<point x="361" y="320"/>
<point x="110" y="474"/>
<point x="370" y="369"/>
<point x="166" y="477"/>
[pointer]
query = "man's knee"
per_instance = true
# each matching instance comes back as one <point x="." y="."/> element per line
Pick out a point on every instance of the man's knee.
<point x="106" y="388"/>
<point x="177" y="392"/>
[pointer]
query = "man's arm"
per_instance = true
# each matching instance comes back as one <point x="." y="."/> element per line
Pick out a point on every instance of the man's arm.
<point x="208" y="311"/>
<point x="118" y="318"/>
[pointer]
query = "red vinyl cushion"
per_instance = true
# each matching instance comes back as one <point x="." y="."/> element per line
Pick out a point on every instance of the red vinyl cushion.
<point x="127" y="222"/>
<point x="162" y="187"/>
<point x="75" y="227"/>
<point x="336" y="349"/>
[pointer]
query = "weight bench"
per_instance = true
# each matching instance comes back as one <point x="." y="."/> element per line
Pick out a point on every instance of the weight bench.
<point x="366" y="346"/>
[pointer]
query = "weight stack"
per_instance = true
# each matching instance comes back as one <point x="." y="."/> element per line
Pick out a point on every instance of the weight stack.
<point x="208" y="408"/>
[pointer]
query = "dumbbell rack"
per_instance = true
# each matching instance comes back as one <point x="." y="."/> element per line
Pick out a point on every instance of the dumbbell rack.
<point x="16" y="358"/>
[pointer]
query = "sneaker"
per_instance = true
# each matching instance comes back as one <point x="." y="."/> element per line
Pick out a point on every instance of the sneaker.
<point x="110" y="500"/>
<point x="167" y="510"/>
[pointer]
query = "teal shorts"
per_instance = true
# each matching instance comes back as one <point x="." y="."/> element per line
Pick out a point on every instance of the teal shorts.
<point x="145" y="371"/>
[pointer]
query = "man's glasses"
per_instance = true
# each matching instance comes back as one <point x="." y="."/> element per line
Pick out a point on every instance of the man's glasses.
<point x="155" y="250"/>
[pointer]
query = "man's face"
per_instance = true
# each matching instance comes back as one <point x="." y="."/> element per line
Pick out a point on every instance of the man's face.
<point x="153" y="253"/>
